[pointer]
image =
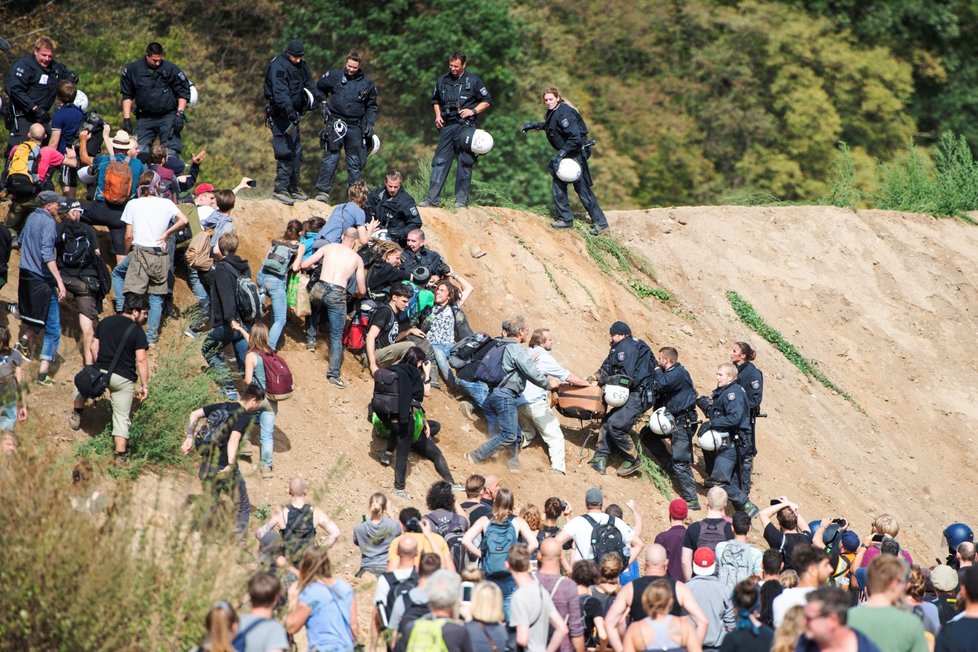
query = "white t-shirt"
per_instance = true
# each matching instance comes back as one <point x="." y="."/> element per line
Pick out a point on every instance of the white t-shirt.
<point x="580" y="531"/>
<point x="795" y="596"/>
<point x="549" y="367"/>
<point x="150" y="217"/>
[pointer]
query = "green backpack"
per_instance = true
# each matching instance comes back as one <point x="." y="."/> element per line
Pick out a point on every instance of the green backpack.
<point x="426" y="635"/>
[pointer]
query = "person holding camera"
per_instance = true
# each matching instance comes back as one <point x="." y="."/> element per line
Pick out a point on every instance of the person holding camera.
<point x="792" y="528"/>
<point x="160" y="92"/>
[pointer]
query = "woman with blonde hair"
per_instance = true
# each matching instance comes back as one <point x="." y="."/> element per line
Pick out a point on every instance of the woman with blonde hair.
<point x="793" y="626"/>
<point x="222" y="626"/>
<point x="487" y="630"/>
<point x="660" y="630"/>
<point x="324" y="605"/>
<point x="374" y="535"/>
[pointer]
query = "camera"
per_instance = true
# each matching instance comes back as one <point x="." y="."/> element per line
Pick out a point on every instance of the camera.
<point x="93" y="123"/>
<point x="841" y="522"/>
<point x="413" y="525"/>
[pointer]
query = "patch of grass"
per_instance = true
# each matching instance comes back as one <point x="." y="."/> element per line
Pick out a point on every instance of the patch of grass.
<point x="644" y="291"/>
<point x="553" y="282"/>
<point x="843" y="192"/>
<point x="755" y="198"/>
<point x="745" y="311"/>
<point x="654" y="473"/>
<point x="261" y="512"/>
<point x="176" y="387"/>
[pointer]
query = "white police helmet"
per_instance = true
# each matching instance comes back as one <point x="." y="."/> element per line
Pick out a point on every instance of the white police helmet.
<point x="376" y="144"/>
<point x="615" y="395"/>
<point x="85" y="175"/>
<point x="481" y="142"/>
<point x="81" y="100"/>
<point x="193" y="96"/>
<point x="710" y="440"/>
<point x="662" y="422"/>
<point x="310" y="100"/>
<point x="569" y="170"/>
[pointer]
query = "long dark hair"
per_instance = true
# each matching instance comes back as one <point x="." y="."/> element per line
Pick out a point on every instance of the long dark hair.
<point x="293" y="230"/>
<point x="413" y="356"/>
<point x="747" y="350"/>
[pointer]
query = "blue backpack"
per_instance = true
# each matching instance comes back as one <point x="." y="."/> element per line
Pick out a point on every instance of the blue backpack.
<point x="490" y="369"/>
<point x="496" y="542"/>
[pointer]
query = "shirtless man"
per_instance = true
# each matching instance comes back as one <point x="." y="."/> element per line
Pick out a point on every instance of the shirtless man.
<point x="296" y="523"/>
<point x="340" y="263"/>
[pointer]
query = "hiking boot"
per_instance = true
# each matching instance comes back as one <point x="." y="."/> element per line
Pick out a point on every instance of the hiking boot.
<point x="336" y="381"/>
<point x="693" y="505"/>
<point x="74" y="420"/>
<point x="599" y="463"/>
<point x="25" y="350"/>
<point x="266" y="473"/>
<point x="429" y="204"/>
<point x="323" y="197"/>
<point x="283" y="196"/>
<point x="629" y="468"/>
<point x="709" y="483"/>
<point x="298" y="196"/>
<point x="189" y="333"/>
<point x="435" y="384"/>
<point x="750" y="508"/>
<point x="598" y="229"/>
<point x="386" y="458"/>
<point x="524" y="442"/>
<point x="561" y="224"/>
<point x="400" y="493"/>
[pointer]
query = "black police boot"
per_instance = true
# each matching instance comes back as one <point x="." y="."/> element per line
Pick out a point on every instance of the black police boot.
<point x="599" y="463"/>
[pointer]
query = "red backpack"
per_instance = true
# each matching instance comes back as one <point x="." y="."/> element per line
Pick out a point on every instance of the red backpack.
<point x="278" y="376"/>
<point x="355" y="333"/>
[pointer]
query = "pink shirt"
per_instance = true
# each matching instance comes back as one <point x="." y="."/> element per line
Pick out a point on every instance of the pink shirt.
<point x="50" y="157"/>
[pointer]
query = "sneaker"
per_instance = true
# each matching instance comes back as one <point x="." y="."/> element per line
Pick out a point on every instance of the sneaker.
<point x="25" y="350"/>
<point x="47" y="381"/>
<point x="598" y="229"/>
<point x="323" y="197"/>
<point x="386" y="458"/>
<point x="310" y="345"/>
<point x="750" y="508"/>
<point x="435" y="384"/>
<point x="266" y="473"/>
<point x="189" y="333"/>
<point x="298" y="196"/>
<point x="470" y="458"/>
<point x="400" y="493"/>
<point x="468" y="410"/>
<point x="457" y="486"/>
<point x="74" y="420"/>
<point x="13" y="309"/>
<point x="629" y="468"/>
<point x="336" y="381"/>
<point x="428" y="204"/>
<point x="561" y="224"/>
<point x="693" y="505"/>
<point x="231" y="394"/>
<point x="524" y="442"/>
<point x="283" y="197"/>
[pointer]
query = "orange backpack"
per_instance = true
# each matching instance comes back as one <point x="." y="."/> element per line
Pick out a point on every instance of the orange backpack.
<point x="118" y="182"/>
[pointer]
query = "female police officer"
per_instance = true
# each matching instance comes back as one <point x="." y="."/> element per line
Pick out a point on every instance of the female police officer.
<point x="567" y="134"/>
<point x="752" y="380"/>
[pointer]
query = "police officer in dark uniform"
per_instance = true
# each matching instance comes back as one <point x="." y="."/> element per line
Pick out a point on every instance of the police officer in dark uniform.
<point x="752" y="380"/>
<point x="675" y="392"/>
<point x="350" y="114"/>
<point x="287" y="81"/>
<point x="567" y="134"/>
<point x="160" y="91"/>
<point x="416" y="255"/>
<point x="458" y="98"/>
<point x="394" y="208"/>
<point x="32" y="86"/>
<point x="730" y="418"/>
<point x="629" y="356"/>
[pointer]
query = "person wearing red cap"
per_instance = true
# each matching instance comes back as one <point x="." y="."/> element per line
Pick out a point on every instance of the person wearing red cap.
<point x="672" y="538"/>
<point x="713" y="598"/>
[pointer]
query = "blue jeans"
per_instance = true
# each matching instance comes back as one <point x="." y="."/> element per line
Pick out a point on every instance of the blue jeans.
<point x="275" y="287"/>
<point x="442" y="351"/>
<point x="508" y="586"/>
<point x="334" y="302"/>
<point x="217" y="338"/>
<point x="502" y="406"/>
<point x="8" y="416"/>
<point x="266" y="422"/>
<point x="52" y="330"/>
<point x="155" y="301"/>
<point x="479" y="393"/>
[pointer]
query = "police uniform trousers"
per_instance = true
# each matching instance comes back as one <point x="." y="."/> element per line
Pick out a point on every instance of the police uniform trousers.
<point x="151" y="127"/>
<point x="352" y="142"/>
<point x="288" y="154"/>
<point x="449" y="148"/>
<point x="681" y="456"/>
<point x="731" y="469"/>
<point x="583" y="189"/>
<point x="617" y="428"/>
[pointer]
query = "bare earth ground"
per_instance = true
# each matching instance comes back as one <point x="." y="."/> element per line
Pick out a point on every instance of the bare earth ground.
<point x="880" y="301"/>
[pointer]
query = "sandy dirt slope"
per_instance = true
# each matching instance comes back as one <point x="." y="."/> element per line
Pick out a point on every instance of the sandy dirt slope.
<point x="880" y="301"/>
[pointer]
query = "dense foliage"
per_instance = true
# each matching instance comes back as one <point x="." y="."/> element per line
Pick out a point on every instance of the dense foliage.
<point x="691" y="101"/>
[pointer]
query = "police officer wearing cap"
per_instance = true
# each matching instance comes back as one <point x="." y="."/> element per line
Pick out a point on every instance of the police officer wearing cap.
<point x="160" y="92"/>
<point x="350" y="114"/>
<point x="287" y="81"/>
<point x="32" y="86"/>
<point x="675" y="392"/>
<point x="459" y="97"/>
<point x="629" y="356"/>
<point x="394" y="208"/>
<point x="567" y="134"/>
<point x="730" y="417"/>
<point x="752" y="380"/>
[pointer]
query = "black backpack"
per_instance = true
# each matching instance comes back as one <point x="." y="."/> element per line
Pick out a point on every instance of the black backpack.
<point x="74" y="249"/>
<point x="452" y="529"/>
<point x="490" y="370"/>
<point x="397" y="588"/>
<point x="605" y="539"/>
<point x="711" y="534"/>
<point x="300" y="530"/>
<point x="387" y="393"/>
<point x="469" y="349"/>
<point x="214" y="432"/>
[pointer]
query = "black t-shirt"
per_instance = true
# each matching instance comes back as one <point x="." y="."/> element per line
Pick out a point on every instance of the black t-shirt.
<point x="691" y="538"/>
<point x="959" y="636"/>
<point x="385" y="319"/>
<point x="591" y="608"/>
<point x="239" y="421"/>
<point x="745" y="640"/>
<point x="784" y="542"/>
<point x="109" y="334"/>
